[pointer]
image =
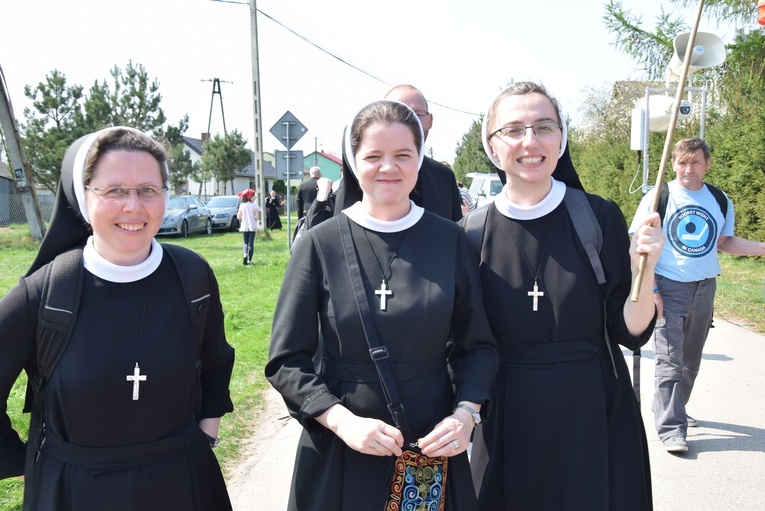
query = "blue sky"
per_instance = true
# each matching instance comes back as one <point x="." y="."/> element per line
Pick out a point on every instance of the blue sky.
<point x="460" y="56"/>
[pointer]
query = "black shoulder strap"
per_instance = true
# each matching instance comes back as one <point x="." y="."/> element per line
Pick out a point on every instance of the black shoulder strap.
<point x="587" y="228"/>
<point x="720" y="197"/>
<point x="57" y="316"/>
<point x="195" y="279"/>
<point x="475" y="226"/>
<point x="377" y="352"/>
<point x="718" y="194"/>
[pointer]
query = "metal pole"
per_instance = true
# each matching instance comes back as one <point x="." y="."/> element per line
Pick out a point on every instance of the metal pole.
<point x="289" y="180"/>
<point x="22" y="173"/>
<point x="258" y="152"/>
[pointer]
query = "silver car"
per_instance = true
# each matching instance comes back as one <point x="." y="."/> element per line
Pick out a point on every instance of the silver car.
<point x="185" y="214"/>
<point x="223" y="210"/>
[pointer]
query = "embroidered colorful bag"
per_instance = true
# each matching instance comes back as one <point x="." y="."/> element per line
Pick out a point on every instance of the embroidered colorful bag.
<point x="419" y="483"/>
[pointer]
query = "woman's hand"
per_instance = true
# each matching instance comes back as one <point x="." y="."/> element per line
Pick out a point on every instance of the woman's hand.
<point x="451" y="436"/>
<point x="362" y="434"/>
<point x="648" y="239"/>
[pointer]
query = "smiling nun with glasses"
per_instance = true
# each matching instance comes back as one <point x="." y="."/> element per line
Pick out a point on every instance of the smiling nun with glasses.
<point x="132" y="408"/>
<point x="566" y="430"/>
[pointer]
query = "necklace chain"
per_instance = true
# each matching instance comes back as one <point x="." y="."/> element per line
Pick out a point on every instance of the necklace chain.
<point x="385" y="272"/>
<point x="535" y="293"/>
<point x="122" y="328"/>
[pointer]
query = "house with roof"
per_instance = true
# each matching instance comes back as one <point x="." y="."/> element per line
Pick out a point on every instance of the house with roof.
<point x="328" y="163"/>
<point x="244" y="177"/>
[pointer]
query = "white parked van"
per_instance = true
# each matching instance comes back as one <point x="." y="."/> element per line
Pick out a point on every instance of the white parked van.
<point x="484" y="187"/>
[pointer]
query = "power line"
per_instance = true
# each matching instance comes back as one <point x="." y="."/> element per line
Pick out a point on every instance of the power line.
<point x="344" y="61"/>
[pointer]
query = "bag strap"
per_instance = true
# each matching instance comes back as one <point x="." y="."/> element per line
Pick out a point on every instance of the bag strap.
<point x="195" y="280"/>
<point x="587" y="228"/>
<point x="475" y="225"/>
<point x="57" y="316"/>
<point x="377" y="352"/>
<point x="718" y="194"/>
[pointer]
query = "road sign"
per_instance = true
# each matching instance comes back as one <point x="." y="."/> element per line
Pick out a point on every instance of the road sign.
<point x="288" y="130"/>
<point x="289" y="162"/>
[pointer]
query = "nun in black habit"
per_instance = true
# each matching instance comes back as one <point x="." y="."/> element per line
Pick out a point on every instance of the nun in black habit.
<point x="566" y="430"/>
<point x="421" y="282"/>
<point x="133" y="406"/>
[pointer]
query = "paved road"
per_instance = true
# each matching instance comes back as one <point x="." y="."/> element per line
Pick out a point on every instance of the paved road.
<point x="723" y="470"/>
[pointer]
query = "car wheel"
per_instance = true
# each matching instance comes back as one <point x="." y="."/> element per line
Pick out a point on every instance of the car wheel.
<point x="234" y="224"/>
<point x="185" y="229"/>
<point x="208" y="226"/>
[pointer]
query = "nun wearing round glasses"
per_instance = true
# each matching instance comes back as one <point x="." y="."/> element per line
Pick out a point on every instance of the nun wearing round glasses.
<point x="566" y="431"/>
<point x="422" y="287"/>
<point x="132" y="408"/>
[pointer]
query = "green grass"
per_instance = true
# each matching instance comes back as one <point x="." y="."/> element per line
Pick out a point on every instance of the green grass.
<point x="249" y="295"/>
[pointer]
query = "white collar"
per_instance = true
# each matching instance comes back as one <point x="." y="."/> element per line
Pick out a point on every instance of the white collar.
<point x="546" y="206"/>
<point x="103" y="269"/>
<point x="364" y="219"/>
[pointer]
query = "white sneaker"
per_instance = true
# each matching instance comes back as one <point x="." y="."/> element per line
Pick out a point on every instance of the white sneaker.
<point x="692" y="423"/>
<point x="676" y="444"/>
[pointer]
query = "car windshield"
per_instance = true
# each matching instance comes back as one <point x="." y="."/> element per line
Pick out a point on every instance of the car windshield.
<point x="222" y="202"/>
<point x="177" y="203"/>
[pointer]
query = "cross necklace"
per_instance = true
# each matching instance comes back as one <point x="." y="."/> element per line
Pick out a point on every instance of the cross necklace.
<point x="384" y="292"/>
<point x="136" y="377"/>
<point x="535" y="293"/>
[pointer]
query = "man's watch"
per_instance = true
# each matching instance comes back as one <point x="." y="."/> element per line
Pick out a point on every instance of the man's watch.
<point x="473" y="412"/>
<point x="214" y="441"/>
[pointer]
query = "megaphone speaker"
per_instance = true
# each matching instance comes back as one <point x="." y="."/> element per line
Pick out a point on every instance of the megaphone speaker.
<point x="708" y="51"/>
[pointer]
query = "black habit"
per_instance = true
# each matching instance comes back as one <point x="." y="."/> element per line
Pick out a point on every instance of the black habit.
<point x="436" y="296"/>
<point x="104" y="450"/>
<point x="566" y="431"/>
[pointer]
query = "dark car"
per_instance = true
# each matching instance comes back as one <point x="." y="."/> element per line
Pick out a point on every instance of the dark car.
<point x="223" y="210"/>
<point x="185" y="214"/>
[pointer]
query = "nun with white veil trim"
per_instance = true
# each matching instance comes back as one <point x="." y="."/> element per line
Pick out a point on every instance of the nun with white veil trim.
<point x="420" y="280"/>
<point x="132" y="408"/>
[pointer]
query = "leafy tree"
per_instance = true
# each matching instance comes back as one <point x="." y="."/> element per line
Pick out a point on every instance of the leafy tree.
<point x="223" y="156"/>
<point x="735" y="122"/>
<point x="60" y="114"/>
<point x="53" y="122"/>
<point x="470" y="156"/>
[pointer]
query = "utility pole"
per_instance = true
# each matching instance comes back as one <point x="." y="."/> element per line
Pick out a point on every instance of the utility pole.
<point x="22" y="173"/>
<point x="216" y="90"/>
<point x="258" y="153"/>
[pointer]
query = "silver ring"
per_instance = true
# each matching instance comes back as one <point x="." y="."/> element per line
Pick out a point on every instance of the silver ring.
<point x="456" y="444"/>
<point x="375" y="445"/>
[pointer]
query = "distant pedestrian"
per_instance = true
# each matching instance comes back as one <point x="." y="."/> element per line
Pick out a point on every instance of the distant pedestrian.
<point x="273" y="203"/>
<point x="467" y="201"/>
<point x="307" y="191"/>
<point x="248" y="223"/>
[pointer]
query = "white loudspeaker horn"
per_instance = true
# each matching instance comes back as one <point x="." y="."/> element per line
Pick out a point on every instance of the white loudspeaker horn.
<point x="708" y="51"/>
<point x="660" y="110"/>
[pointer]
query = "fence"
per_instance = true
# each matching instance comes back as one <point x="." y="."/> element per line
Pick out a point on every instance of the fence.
<point x="12" y="208"/>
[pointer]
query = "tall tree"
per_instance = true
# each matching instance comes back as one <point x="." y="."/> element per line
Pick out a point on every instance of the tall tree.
<point x="470" y="156"/>
<point x="223" y="156"/>
<point x="53" y="122"/>
<point x="132" y="99"/>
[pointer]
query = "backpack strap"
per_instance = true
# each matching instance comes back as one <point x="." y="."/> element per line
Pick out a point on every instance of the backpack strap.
<point x="587" y="228"/>
<point x="475" y="226"/>
<point x="195" y="278"/>
<point x="718" y="194"/>
<point x="720" y="197"/>
<point x="57" y="316"/>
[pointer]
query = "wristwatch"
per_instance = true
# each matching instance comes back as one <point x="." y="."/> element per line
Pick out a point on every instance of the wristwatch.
<point x="214" y="441"/>
<point x="473" y="412"/>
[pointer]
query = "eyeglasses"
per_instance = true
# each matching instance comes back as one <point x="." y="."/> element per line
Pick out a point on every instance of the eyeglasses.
<point x="121" y="193"/>
<point x="517" y="131"/>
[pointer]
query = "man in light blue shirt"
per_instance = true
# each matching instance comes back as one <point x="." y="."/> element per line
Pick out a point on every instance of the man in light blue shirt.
<point x="684" y="289"/>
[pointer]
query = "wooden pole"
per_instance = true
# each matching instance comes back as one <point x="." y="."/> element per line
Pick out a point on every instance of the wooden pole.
<point x="668" y="141"/>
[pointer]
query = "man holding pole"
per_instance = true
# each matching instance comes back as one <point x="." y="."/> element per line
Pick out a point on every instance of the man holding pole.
<point x="696" y="226"/>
